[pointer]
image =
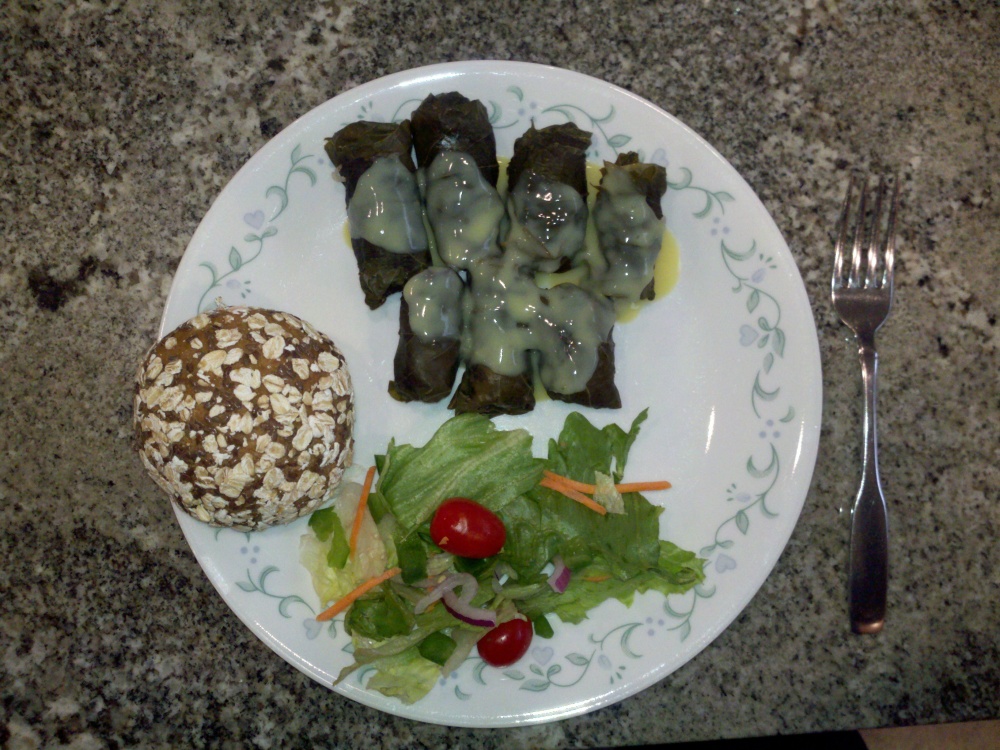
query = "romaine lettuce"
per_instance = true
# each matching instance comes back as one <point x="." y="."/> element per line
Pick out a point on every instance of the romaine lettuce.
<point x="466" y="457"/>
<point x="611" y="556"/>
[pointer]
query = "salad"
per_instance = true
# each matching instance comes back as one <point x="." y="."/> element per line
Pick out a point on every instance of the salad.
<point x="470" y="541"/>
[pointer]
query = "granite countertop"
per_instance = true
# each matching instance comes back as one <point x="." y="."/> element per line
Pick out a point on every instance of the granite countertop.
<point x="122" y="121"/>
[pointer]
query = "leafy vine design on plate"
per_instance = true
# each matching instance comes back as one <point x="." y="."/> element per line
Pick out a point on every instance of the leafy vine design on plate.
<point x="255" y="240"/>
<point x="684" y="613"/>
<point x="259" y="585"/>
<point x="571" y="112"/>
<point x="748" y="497"/>
<point x="610" y="653"/>
<point x="768" y="328"/>
<point x="713" y="198"/>
<point x="524" y="109"/>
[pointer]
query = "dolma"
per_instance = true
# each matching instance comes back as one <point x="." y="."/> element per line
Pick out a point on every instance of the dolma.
<point x="497" y="340"/>
<point x="547" y="183"/>
<point x="383" y="205"/>
<point x="451" y="122"/>
<point x="430" y="325"/>
<point x="456" y="152"/>
<point x="600" y="392"/>
<point x="628" y="218"/>
<point x="484" y="391"/>
<point x="576" y="361"/>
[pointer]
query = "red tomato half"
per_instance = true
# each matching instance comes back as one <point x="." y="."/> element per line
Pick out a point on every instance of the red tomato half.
<point x="467" y="529"/>
<point x="506" y="643"/>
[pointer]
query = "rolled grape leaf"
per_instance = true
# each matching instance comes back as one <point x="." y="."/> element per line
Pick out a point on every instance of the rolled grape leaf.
<point x="499" y="318"/>
<point x="628" y="218"/>
<point x="355" y="147"/>
<point x="557" y="152"/>
<point x="383" y="204"/>
<point x="576" y="360"/>
<point x="382" y="273"/>
<point x="547" y="179"/>
<point x="491" y="394"/>
<point x="600" y="391"/>
<point x="451" y="122"/>
<point x="649" y="179"/>
<point x="423" y="370"/>
<point x="456" y="152"/>
<point x="427" y="355"/>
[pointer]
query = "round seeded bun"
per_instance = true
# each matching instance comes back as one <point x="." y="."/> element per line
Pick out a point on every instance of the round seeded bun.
<point x="245" y="417"/>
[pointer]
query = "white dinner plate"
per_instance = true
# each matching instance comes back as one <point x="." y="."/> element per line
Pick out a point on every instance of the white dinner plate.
<point x="728" y="364"/>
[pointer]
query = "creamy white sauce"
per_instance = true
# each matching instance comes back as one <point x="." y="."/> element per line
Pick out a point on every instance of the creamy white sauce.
<point x="434" y="300"/>
<point x="510" y="317"/>
<point x="629" y="237"/>
<point x="463" y="210"/>
<point x="553" y="212"/>
<point x="385" y="208"/>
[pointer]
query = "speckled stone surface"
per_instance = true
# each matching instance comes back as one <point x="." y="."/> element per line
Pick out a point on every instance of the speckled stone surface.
<point x="120" y="122"/>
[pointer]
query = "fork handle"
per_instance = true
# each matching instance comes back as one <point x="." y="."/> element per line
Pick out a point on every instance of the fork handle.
<point x="869" y="569"/>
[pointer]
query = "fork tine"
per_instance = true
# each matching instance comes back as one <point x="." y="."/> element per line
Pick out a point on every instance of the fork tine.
<point x="875" y="240"/>
<point x="859" y="236"/>
<point x="838" y="257"/>
<point x="890" y="244"/>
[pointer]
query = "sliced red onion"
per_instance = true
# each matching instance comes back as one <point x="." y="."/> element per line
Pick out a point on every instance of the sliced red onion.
<point x="485" y="618"/>
<point x="559" y="578"/>
<point x="469" y="587"/>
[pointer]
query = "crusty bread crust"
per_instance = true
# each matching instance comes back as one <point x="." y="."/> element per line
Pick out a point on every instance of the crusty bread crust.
<point x="245" y="417"/>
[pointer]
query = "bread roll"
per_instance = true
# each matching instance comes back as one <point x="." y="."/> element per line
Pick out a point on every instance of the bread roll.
<point x="245" y="417"/>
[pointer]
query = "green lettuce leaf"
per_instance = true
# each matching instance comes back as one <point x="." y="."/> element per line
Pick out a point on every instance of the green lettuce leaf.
<point x="466" y="457"/>
<point x="407" y="675"/>
<point x="677" y="571"/>
<point x="620" y="553"/>
<point x="323" y="548"/>
<point x="582" y="449"/>
<point x="543" y="523"/>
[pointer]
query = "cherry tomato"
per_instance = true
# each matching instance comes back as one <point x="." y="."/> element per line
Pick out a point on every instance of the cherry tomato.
<point x="467" y="529"/>
<point x="506" y="643"/>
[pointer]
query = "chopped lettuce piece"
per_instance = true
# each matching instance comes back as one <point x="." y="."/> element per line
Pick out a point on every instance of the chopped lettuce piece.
<point x="437" y="647"/>
<point x="611" y="556"/>
<point x="466" y="457"/>
<point x="677" y="571"/>
<point x="380" y="617"/>
<point x="326" y="524"/>
<point x="582" y="449"/>
<point x="407" y="676"/>
<point x="607" y="494"/>
<point x="320" y="547"/>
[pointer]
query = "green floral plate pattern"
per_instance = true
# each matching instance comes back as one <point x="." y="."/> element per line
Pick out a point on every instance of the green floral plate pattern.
<point x="728" y="364"/>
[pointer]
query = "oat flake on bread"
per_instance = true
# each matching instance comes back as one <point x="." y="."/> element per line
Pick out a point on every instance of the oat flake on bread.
<point x="245" y="417"/>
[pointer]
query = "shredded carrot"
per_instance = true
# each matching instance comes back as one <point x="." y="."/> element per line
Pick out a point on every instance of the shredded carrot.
<point x="359" y="514"/>
<point x="596" y="579"/>
<point x="642" y="486"/>
<point x="574" y="495"/>
<point x="590" y="489"/>
<point x="343" y="603"/>
<point x="572" y="484"/>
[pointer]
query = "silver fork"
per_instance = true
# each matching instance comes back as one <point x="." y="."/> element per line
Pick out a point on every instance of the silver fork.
<point x="862" y="297"/>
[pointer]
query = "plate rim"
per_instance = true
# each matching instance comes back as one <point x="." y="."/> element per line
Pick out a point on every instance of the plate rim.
<point x="814" y="388"/>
